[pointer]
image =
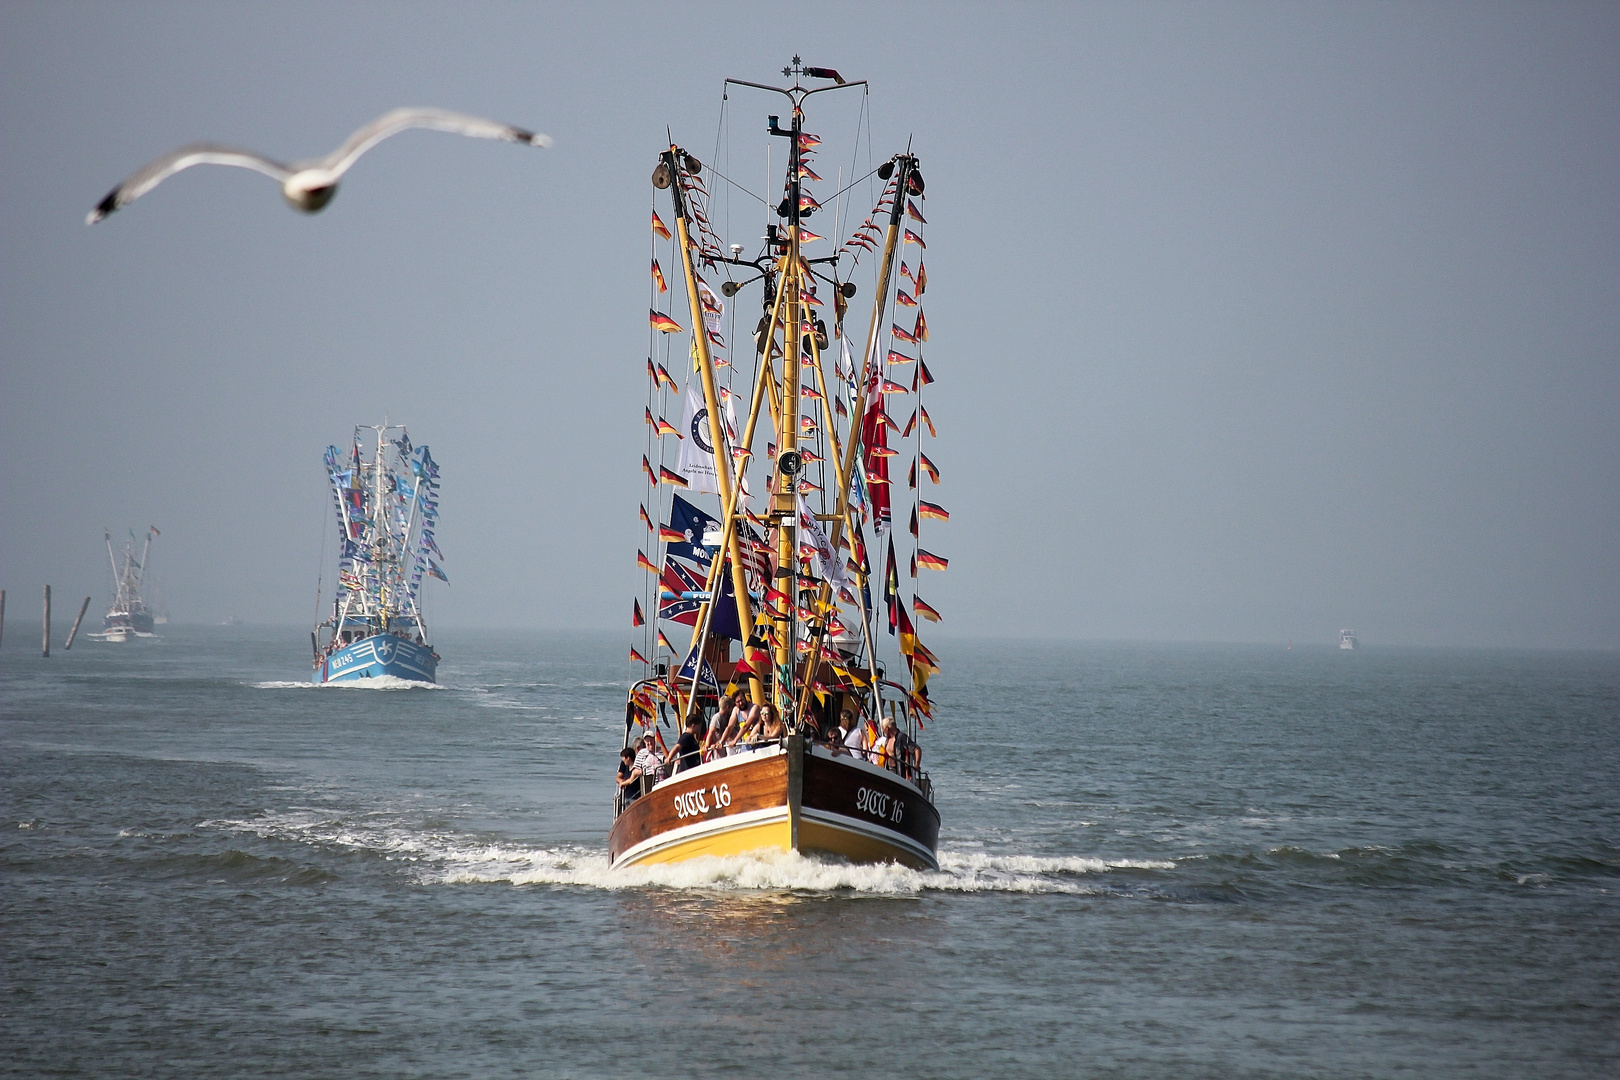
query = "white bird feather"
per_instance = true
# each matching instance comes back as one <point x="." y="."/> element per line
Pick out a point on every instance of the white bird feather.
<point x="308" y="185"/>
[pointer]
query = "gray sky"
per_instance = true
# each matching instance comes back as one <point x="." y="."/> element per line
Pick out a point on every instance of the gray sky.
<point x="1250" y="321"/>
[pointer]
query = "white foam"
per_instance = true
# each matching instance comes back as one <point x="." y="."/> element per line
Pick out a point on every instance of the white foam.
<point x="377" y="682"/>
<point x="446" y="857"/>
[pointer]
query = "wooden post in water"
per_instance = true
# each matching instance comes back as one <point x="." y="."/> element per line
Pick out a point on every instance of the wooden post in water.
<point x="84" y="607"/>
<point x="2" y="613"/>
<point x="46" y="644"/>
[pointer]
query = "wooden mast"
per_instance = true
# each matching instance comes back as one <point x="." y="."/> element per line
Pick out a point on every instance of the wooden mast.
<point x="903" y="167"/>
<point x="711" y="400"/>
<point x="785" y="506"/>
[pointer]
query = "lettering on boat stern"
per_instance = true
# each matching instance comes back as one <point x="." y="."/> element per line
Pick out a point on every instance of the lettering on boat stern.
<point x="702" y="802"/>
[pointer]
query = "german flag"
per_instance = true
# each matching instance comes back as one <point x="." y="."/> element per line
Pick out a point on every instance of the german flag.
<point x="910" y="425"/>
<point x="929" y="467"/>
<point x="929" y="561"/>
<point x="807" y="237"/>
<point x="924" y="374"/>
<point x="904" y="299"/>
<point x="928" y="420"/>
<point x="665" y="377"/>
<point x="913" y="525"/>
<point x="635" y="657"/>
<point x="933" y="510"/>
<point x="808" y="141"/>
<point x="652" y="373"/>
<point x="807" y="201"/>
<point x="900" y="358"/>
<point x="663" y="642"/>
<point x="905" y="271"/>
<point x="911" y="478"/>
<point x="890" y="387"/>
<point x="921" y="278"/>
<point x="645" y="563"/>
<point x="645" y="520"/>
<point x="888" y="421"/>
<point x="810" y="392"/>
<point x="636" y="618"/>
<point x="920" y="331"/>
<point x="650" y="421"/>
<point x="658" y="276"/>
<point x="652" y="477"/>
<point x="924" y="609"/>
<point x="666" y="428"/>
<point x="902" y="334"/>
<point x="913" y="213"/>
<point x="667" y="476"/>
<point x="663" y="323"/>
<point x="659" y="227"/>
<point x="667" y="535"/>
<point x="838" y="407"/>
<point x="807" y="173"/>
<point x="913" y="238"/>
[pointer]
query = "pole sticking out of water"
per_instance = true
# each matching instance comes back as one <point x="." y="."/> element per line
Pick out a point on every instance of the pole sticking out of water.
<point x="46" y="644"/>
<point x="2" y="613"/>
<point x="84" y="607"/>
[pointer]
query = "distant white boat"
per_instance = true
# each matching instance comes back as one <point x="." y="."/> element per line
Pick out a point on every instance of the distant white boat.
<point x="1347" y="640"/>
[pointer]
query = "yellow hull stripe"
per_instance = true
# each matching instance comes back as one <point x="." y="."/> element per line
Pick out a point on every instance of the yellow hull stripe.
<point x="763" y="836"/>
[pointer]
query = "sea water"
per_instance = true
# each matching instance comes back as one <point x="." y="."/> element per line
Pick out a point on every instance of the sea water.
<point x="1201" y="861"/>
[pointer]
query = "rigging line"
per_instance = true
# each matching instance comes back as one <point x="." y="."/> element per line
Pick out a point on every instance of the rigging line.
<point x="736" y="185"/>
<point x="852" y="183"/>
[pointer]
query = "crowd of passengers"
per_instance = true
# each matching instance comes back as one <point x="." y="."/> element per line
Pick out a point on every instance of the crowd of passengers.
<point x="738" y="725"/>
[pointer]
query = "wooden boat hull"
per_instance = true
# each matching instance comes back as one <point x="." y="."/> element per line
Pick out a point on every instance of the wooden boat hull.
<point x="786" y="797"/>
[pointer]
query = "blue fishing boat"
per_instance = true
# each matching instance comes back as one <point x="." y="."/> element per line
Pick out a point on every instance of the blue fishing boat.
<point x="387" y="510"/>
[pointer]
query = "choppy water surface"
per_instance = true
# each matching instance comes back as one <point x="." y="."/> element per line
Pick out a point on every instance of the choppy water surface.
<point x="1200" y="861"/>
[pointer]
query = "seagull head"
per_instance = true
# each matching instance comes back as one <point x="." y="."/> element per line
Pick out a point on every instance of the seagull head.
<point x="310" y="190"/>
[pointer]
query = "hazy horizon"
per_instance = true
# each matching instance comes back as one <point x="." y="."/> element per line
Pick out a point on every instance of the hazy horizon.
<point x="1251" y="322"/>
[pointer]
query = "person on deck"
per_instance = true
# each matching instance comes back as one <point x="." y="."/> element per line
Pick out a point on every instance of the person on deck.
<point x="854" y="737"/>
<point x="689" y="750"/>
<point x="770" y="724"/>
<point x="629" y="776"/>
<point x="649" y="761"/>
<point x="717" y="727"/>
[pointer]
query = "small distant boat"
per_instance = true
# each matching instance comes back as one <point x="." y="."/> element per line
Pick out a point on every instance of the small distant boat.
<point x="1347" y="640"/>
<point x="129" y="615"/>
<point x="387" y="509"/>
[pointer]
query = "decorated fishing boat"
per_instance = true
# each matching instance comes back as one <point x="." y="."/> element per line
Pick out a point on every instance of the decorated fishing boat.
<point x="800" y="684"/>
<point x="130" y="615"/>
<point x="387" y="511"/>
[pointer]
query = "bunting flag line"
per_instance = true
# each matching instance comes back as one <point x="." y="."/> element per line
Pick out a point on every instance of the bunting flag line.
<point x="913" y="238"/>
<point x="927" y="420"/>
<point x="933" y="510"/>
<point x="929" y="467"/>
<point x="636" y="618"/>
<point x="913" y="213"/>
<point x="645" y="563"/>
<point x="666" y="476"/>
<point x="652" y="477"/>
<point x="659" y="227"/>
<point x="658" y="276"/>
<point x="645" y="520"/>
<point x="924" y="609"/>
<point x="636" y="657"/>
<point x="662" y="323"/>
<point x="929" y="561"/>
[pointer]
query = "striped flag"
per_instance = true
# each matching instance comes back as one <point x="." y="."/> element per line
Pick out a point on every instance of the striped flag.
<point x="929" y="561"/>
<point x="933" y="510"/>
<point x="666" y="428"/>
<point x="924" y="374"/>
<point x="928" y="420"/>
<point x="663" y="642"/>
<point x="645" y="520"/>
<point x="663" y="323"/>
<point x="924" y="609"/>
<point x="910" y="425"/>
<point x="650" y="421"/>
<point x="913" y="213"/>
<point x="645" y="563"/>
<point x="658" y="276"/>
<point x="652" y="477"/>
<point x="665" y="377"/>
<point x="667" y="476"/>
<point x="659" y="227"/>
<point x="667" y="535"/>
<point x="636" y="618"/>
<point x="904" y="299"/>
<point x="921" y="278"/>
<point x="900" y="358"/>
<point x="920" y="331"/>
<point x="903" y="334"/>
<point x="890" y="387"/>
<point x="913" y="238"/>
<point x="929" y="467"/>
<point x="636" y="657"/>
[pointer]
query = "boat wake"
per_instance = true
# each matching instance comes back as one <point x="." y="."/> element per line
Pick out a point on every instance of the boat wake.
<point x="378" y="682"/>
<point x="446" y="857"/>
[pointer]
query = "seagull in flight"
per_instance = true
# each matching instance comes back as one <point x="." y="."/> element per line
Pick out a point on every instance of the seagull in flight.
<point x="308" y="185"/>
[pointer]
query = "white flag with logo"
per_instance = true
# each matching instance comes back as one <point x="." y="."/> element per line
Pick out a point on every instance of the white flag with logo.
<point x="832" y="567"/>
<point x="697" y="450"/>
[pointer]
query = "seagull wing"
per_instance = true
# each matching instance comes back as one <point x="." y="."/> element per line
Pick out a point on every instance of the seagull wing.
<point x="392" y="123"/>
<point x="155" y="172"/>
